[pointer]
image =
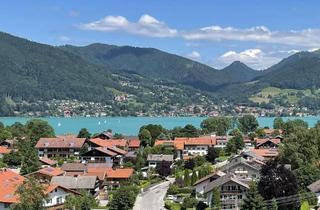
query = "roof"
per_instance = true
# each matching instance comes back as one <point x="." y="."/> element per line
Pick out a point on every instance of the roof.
<point x="80" y="182"/>
<point x="262" y="141"/>
<point x="51" y="171"/>
<point x="314" y="187"/>
<point x="270" y="131"/>
<point x="61" y="142"/>
<point x="222" y="180"/>
<point x="105" y="151"/>
<point x="117" y="150"/>
<point x="109" y="142"/>
<point x="134" y="143"/>
<point x="100" y="174"/>
<point x="164" y="142"/>
<point x="218" y="174"/>
<point x="157" y="157"/>
<point x="52" y="187"/>
<point x="249" y="163"/>
<point x="74" y="167"/>
<point x="4" y="150"/>
<point x="47" y="161"/>
<point x="265" y="152"/>
<point x="9" y="181"/>
<point x="203" y="140"/>
<point x="119" y="173"/>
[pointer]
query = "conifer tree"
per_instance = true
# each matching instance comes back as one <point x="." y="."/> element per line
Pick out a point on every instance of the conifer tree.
<point x="194" y="177"/>
<point x="274" y="205"/>
<point x="253" y="200"/>
<point x="215" y="200"/>
<point x="187" y="180"/>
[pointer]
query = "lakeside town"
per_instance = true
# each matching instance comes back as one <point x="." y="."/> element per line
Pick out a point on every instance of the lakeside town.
<point x="219" y="166"/>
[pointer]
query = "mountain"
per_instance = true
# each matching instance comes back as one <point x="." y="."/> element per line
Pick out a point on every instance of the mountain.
<point x="299" y="71"/>
<point x="153" y="63"/>
<point x="239" y="72"/>
<point x="32" y="71"/>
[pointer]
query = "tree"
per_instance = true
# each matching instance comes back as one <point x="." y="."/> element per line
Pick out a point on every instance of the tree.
<point x="186" y="177"/>
<point x="194" y="177"/>
<point x="85" y="201"/>
<point x="29" y="157"/>
<point x="5" y="134"/>
<point x="213" y="153"/>
<point x="189" y="131"/>
<point x="277" y="181"/>
<point x="278" y="123"/>
<point x="164" y="168"/>
<point x="84" y="133"/>
<point x="189" y="202"/>
<point x="18" y="130"/>
<point x="31" y="195"/>
<point x="124" y="198"/>
<point x="38" y="129"/>
<point x="155" y="130"/>
<point x="201" y="206"/>
<point x="219" y="125"/>
<point x="12" y="159"/>
<point x="145" y="137"/>
<point x="253" y="200"/>
<point x="189" y="164"/>
<point x="216" y="200"/>
<point x="305" y="205"/>
<point x="247" y="123"/>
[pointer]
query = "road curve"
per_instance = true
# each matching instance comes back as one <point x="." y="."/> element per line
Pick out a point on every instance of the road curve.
<point x="152" y="199"/>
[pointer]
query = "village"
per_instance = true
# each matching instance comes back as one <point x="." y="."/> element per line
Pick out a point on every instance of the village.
<point x="210" y="171"/>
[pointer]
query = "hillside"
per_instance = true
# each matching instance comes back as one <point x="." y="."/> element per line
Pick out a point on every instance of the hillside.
<point x="153" y="63"/>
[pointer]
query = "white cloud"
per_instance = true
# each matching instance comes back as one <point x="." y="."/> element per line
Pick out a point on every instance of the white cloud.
<point x="195" y="55"/>
<point x="146" y="26"/>
<point x="64" y="38"/>
<point x="305" y="38"/>
<point x="255" y="58"/>
<point x="313" y="49"/>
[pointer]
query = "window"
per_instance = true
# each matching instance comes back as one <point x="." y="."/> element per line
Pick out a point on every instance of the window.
<point x="59" y="200"/>
<point x="49" y="201"/>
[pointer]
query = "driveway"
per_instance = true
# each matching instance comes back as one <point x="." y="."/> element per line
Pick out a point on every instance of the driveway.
<point x="152" y="199"/>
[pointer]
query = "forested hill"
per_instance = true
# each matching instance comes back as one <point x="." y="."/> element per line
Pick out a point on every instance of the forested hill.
<point x="33" y="71"/>
<point x="154" y="63"/>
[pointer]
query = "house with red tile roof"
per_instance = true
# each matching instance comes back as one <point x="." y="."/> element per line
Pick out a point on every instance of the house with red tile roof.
<point x="98" y="142"/>
<point x="199" y="145"/>
<point x="267" y="143"/>
<point x="47" y="162"/>
<point x="266" y="153"/>
<point x="4" y="150"/>
<point x="221" y="141"/>
<point x="133" y="144"/>
<point x="62" y="146"/>
<point x="114" y="177"/>
<point x="107" y="154"/>
<point x="44" y="175"/>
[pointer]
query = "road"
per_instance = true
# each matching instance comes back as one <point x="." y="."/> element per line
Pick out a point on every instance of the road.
<point x="152" y="199"/>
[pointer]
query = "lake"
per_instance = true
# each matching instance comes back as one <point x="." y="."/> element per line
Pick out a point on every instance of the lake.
<point x="129" y="125"/>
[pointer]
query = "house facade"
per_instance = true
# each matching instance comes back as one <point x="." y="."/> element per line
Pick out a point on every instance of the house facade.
<point x="154" y="159"/>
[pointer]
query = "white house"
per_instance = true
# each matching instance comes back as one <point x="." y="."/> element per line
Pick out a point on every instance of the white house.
<point x="201" y="184"/>
<point x="56" y="196"/>
<point x="154" y="159"/>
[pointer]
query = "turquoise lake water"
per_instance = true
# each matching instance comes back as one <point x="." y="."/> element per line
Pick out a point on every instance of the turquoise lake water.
<point x="129" y="125"/>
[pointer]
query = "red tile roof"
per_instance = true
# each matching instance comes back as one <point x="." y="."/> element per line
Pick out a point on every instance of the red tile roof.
<point x="119" y="173"/>
<point x="61" y="142"/>
<point x="134" y="143"/>
<point x="106" y="151"/>
<point x="4" y="150"/>
<point x="203" y="140"/>
<point x="101" y="174"/>
<point x="51" y="187"/>
<point x="268" y="153"/>
<point x="9" y="181"/>
<point x="109" y="142"/>
<point x="47" y="161"/>
<point x="262" y="141"/>
<point x="51" y="171"/>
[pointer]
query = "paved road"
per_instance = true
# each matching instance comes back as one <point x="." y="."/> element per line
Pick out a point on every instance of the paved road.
<point x="152" y="199"/>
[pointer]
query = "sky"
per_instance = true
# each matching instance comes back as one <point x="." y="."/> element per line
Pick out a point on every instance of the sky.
<point x="216" y="32"/>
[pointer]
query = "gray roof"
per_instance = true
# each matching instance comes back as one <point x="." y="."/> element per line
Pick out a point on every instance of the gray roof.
<point x="222" y="180"/>
<point x="74" y="167"/>
<point x="80" y="182"/>
<point x="252" y="154"/>
<point x="314" y="187"/>
<point x="251" y="164"/>
<point x="215" y="174"/>
<point x="156" y="157"/>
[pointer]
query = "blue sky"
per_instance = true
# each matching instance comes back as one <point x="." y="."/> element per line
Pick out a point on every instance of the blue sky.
<point x="216" y="32"/>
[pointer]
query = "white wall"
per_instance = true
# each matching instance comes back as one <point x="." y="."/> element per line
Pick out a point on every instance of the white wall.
<point x="53" y="196"/>
<point x="196" y="150"/>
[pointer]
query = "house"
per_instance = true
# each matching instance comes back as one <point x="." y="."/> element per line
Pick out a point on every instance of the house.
<point x="133" y="144"/>
<point x="232" y="191"/>
<point x="88" y="183"/>
<point x="267" y="153"/>
<point x="177" y="145"/>
<point x="105" y="135"/>
<point x="315" y="188"/>
<point x="45" y="162"/>
<point x="98" y="142"/>
<point x="45" y="175"/>
<point x="74" y="169"/>
<point x="4" y="150"/>
<point x="154" y="159"/>
<point x="63" y="146"/>
<point x="198" y="145"/>
<point x="56" y="196"/>
<point x="267" y="143"/>
<point x="114" y="177"/>
<point x="243" y="169"/>
<point x="200" y="185"/>
<point x="9" y="181"/>
<point x="9" y="143"/>
<point x="221" y="141"/>
<point x="108" y="154"/>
